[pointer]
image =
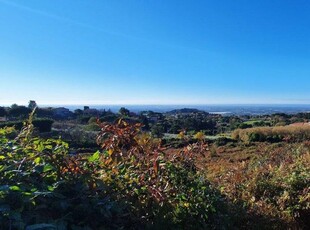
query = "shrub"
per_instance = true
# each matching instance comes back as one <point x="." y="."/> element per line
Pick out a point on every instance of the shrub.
<point x="223" y="141"/>
<point x="285" y="185"/>
<point x="17" y="124"/>
<point x="273" y="134"/>
<point x="161" y="189"/>
<point x="92" y="127"/>
<point x="274" y="183"/>
<point x="42" y="124"/>
<point x="131" y="184"/>
<point x="245" y="126"/>
<point x="199" y="136"/>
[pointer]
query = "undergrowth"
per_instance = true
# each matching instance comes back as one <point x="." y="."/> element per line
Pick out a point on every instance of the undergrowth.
<point x="273" y="183"/>
<point x="130" y="184"/>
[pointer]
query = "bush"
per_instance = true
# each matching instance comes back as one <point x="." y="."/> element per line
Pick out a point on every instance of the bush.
<point x="245" y="126"/>
<point x="17" y="124"/>
<point x="84" y="119"/>
<point x="255" y="137"/>
<point x="92" y="127"/>
<point x="273" y="134"/>
<point x="286" y="188"/>
<point x="109" y="118"/>
<point x="131" y="184"/>
<point x="81" y="136"/>
<point x="221" y="141"/>
<point x="42" y="124"/>
<point x="164" y="190"/>
<point x="274" y="183"/>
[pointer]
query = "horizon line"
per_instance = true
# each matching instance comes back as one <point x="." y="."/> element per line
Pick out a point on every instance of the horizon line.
<point x="154" y="104"/>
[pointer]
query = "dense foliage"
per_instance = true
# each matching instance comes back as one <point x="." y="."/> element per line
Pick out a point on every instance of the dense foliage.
<point x="41" y="124"/>
<point x="130" y="184"/>
<point x="134" y="182"/>
<point x="270" y="180"/>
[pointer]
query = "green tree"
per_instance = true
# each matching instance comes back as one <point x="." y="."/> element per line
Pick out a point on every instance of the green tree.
<point x="2" y="112"/>
<point x="20" y="112"/>
<point x="44" y="112"/>
<point x="145" y="122"/>
<point x="78" y="112"/>
<point x="43" y="125"/>
<point x="32" y="104"/>
<point x="158" y="130"/>
<point x="123" y="111"/>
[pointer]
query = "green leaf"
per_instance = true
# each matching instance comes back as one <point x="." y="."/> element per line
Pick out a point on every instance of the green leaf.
<point x="49" y="147"/>
<point x="94" y="157"/>
<point x="47" y="168"/>
<point x="40" y="147"/>
<point x="37" y="160"/>
<point x="27" y="193"/>
<point x="50" y="188"/>
<point x="14" y="188"/>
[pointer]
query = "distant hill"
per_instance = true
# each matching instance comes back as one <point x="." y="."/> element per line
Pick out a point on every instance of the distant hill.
<point x="185" y="111"/>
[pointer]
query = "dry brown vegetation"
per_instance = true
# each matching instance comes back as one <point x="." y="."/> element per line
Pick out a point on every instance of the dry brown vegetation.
<point x="273" y="134"/>
<point x="135" y="183"/>
<point x="270" y="180"/>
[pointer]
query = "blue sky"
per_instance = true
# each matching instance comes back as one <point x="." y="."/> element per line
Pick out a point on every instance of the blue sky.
<point x="154" y="52"/>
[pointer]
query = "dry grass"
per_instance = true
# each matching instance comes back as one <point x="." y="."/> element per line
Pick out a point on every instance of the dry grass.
<point x="270" y="180"/>
<point x="285" y="133"/>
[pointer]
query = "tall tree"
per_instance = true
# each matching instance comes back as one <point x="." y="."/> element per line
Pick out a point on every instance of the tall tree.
<point x="32" y="104"/>
<point x="19" y="111"/>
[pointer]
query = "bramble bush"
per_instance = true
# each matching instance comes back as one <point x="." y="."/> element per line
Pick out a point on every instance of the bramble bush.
<point x="160" y="189"/>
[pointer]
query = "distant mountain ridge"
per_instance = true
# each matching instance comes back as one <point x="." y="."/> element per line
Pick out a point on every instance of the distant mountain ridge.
<point x="185" y="110"/>
<point x="237" y="109"/>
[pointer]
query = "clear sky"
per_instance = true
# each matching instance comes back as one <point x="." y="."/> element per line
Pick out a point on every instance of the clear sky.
<point x="154" y="52"/>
